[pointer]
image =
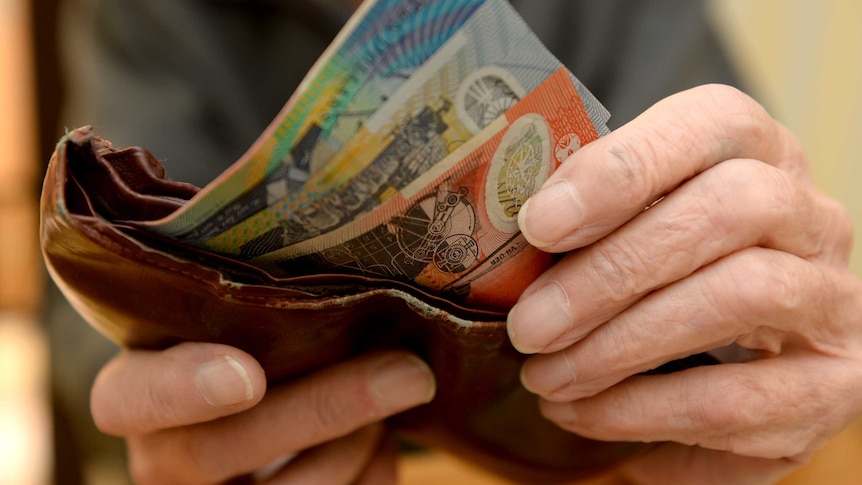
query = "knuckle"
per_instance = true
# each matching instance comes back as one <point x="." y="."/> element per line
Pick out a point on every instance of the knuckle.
<point x="776" y="286"/>
<point x="759" y="193"/>
<point x="629" y="168"/>
<point x="332" y="415"/>
<point x="613" y="353"/>
<point x="742" y="116"/>
<point x="755" y="425"/>
<point x="627" y="348"/>
<point x="761" y="285"/>
<point x="731" y="424"/>
<point x="837" y="241"/>
<point x="616" y="265"/>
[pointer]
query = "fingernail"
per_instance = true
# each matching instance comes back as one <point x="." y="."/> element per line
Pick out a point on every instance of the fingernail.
<point x="550" y="214"/>
<point x="545" y="375"/>
<point x="224" y="382"/>
<point x="537" y="320"/>
<point x="558" y="412"/>
<point x="402" y="383"/>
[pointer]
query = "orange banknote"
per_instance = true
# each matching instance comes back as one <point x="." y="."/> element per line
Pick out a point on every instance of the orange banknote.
<point x="454" y="230"/>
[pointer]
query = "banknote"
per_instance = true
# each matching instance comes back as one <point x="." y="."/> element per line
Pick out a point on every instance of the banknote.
<point x="384" y="39"/>
<point x="490" y="25"/>
<point x="454" y="230"/>
<point x="481" y="71"/>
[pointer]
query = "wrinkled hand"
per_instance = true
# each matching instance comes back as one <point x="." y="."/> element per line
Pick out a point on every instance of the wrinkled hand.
<point x="740" y="248"/>
<point x="200" y="414"/>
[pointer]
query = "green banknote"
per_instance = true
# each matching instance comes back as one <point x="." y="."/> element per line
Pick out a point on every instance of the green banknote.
<point x="481" y="71"/>
<point x="383" y="38"/>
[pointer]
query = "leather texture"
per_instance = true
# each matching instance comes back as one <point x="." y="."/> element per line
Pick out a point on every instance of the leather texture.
<point x="143" y="291"/>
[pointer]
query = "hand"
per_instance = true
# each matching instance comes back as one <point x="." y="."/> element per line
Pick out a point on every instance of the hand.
<point x="200" y="414"/>
<point x="737" y="247"/>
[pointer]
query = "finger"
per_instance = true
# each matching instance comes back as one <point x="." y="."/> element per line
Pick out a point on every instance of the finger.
<point x="759" y="297"/>
<point x="142" y="391"/>
<point x="612" y="179"/>
<point x="784" y="407"/>
<point x="675" y="464"/>
<point x="738" y="204"/>
<point x="321" y="407"/>
<point x="338" y="462"/>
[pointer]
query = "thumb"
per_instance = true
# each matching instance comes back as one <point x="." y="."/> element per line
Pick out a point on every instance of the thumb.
<point x="140" y="391"/>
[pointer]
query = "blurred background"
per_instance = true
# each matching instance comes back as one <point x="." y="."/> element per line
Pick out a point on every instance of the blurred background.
<point x="802" y="59"/>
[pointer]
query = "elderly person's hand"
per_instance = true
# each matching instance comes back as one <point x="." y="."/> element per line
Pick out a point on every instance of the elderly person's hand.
<point x="737" y="247"/>
<point x="201" y="414"/>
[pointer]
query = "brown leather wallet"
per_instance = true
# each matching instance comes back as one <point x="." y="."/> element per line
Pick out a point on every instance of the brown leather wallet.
<point x="144" y="291"/>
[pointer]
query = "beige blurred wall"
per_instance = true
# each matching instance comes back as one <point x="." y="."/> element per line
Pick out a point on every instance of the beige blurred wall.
<point x="803" y="59"/>
<point x="25" y="423"/>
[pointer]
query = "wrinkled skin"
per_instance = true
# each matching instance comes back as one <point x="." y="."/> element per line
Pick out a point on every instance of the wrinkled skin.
<point x="741" y="250"/>
<point x="738" y="248"/>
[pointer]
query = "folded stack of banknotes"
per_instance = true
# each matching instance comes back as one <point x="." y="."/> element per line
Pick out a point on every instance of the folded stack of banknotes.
<point x="405" y="154"/>
<point x="378" y="210"/>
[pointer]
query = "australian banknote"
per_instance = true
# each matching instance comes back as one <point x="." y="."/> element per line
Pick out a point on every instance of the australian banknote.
<point x="382" y="41"/>
<point x="481" y="71"/>
<point x="454" y="230"/>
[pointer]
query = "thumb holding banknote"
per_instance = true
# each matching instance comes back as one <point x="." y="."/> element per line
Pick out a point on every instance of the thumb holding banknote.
<point x="737" y="248"/>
